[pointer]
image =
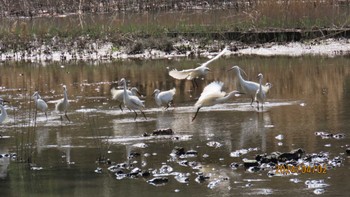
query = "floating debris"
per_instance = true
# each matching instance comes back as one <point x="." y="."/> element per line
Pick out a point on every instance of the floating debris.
<point x="140" y="145"/>
<point x="182" y="178"/>
<point x="35" y="168"/>
<point x="241" y="152"/>
<point x="295" y="180"/>
<point x="98" y="170"/>
<point x="326" y="135"/>
<point x="214" y="144"/>
<point x="316" y="183"/>
<point x="319" y="191"/>
<point x="279" y="137"/>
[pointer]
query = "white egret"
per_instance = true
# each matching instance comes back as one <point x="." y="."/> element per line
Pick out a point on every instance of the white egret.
<point x="248" y="87"/>
<point x="119" y="95"/>
<point x="63" y="104"/>
<point x="3" y="114"/>
<point x="192" y="74"/>
<point x="40" y="103"/>
<point x="132" y="102"/>
<point x="164" y="98"/>
<point x="260" y="94"/>
<point x="213" y="95"/>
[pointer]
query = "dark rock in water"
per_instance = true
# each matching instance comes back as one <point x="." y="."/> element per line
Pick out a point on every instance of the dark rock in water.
<point x="145" y="173"/>
<point x="158" y="181"/>
<point x="294" y="154"/>
<point x="183" y="163"/>
<point x="133" y="155"/>
<point x="339" y="136"/>
<point x="250" y="163"/>
<point x="157" y="132"/>
<point x="134" y="172"/>
<point x="178" y="151"/>
<point x="254" y="169"/>
<point x="201" y="178"/>
<point x="275" y="157"/>
<point x="191" y="152"/>
<point x="234" y="166"/>
<point x="264" y="158"/>
<point x="348" y="151"/>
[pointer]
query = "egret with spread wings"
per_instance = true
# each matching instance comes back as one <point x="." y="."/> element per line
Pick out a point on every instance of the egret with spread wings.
<point x="213" y="95"/>
<point x="192" y="74"/>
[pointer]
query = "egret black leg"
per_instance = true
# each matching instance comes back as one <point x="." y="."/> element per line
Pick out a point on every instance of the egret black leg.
<point x="195" y="82"/>
<point x="120" y="106"/>
<point x="251" y="103"/>
<point x="135" y="115"/>
<point x="46" y="115"/>
<point x="67" y="116"/>
<point x="143" y="114"/>
<point x="195" y="114"/>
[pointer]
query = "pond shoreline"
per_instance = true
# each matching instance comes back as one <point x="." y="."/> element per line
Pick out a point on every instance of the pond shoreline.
<point x="105" y="51"/>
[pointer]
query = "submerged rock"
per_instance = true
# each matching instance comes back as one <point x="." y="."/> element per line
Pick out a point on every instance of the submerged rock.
<point x="158" y="181"/>
<point x="275" y="157"/>
<point x="157" y="132"/>
<point x="250" y="163"/>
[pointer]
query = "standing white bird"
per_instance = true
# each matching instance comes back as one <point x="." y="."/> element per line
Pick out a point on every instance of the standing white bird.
<point x="63" y="104"/>
<point x="119" y="95"/>
<point x="213" y="95"/>
<point x="260" y="94"/>
<point x="164" y="98"/>
<point x="248" y="87"/>
<point x="40" y="103"/>
<point x="3" y="114"/>
<point x="192" y="74"/>
<point x="132" y="102"/>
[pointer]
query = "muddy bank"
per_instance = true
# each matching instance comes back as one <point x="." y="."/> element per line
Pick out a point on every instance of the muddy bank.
<point x="98" y="50"/>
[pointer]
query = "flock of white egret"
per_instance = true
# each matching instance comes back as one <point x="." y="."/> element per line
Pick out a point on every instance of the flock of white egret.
<point x="211" y="94"/>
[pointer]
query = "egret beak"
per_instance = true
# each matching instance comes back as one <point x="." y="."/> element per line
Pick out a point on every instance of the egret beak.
<point x="139" y="93"/>
<point x="5" y="101"/>
<point x="230" y="69"/>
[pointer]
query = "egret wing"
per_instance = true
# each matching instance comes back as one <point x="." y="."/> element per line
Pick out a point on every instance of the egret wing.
<point x="183" y="74"/>
<point x="213" y="87"/>
<point x="215" y="58"/>
<point x="167" y="95"/>
<point x="136" y="101"/>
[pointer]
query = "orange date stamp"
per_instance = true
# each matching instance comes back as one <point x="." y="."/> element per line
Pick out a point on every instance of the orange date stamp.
<point x="303" y="169"/>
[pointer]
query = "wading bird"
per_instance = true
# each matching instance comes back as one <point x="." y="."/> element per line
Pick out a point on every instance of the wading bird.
<point x="3" y="114"/>
<point x="40" y="103"/>
<point x="164" y="98"/>
<point x="132" y="102"/>
<point x="63" y="104"/>
<point x="192" y="74"/>
<point x="260" y="94"/>
<point x="248" y="87"/>
<point x="119" y="95"/>
<point x="213" y="95"/>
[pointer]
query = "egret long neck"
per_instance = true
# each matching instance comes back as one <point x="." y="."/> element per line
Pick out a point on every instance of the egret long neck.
<point x="65" y="95"/>
<point x="125" y="92"/>
<point x="260" y="84"/>
<point x="227" y="97"/>
<point x="3" y="114"/>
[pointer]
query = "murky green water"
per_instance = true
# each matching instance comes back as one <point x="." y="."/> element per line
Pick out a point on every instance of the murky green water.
<point x="309" y="94"/>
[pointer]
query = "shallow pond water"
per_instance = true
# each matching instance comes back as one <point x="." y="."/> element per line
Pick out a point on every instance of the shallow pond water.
<point x="309" y="95"/>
